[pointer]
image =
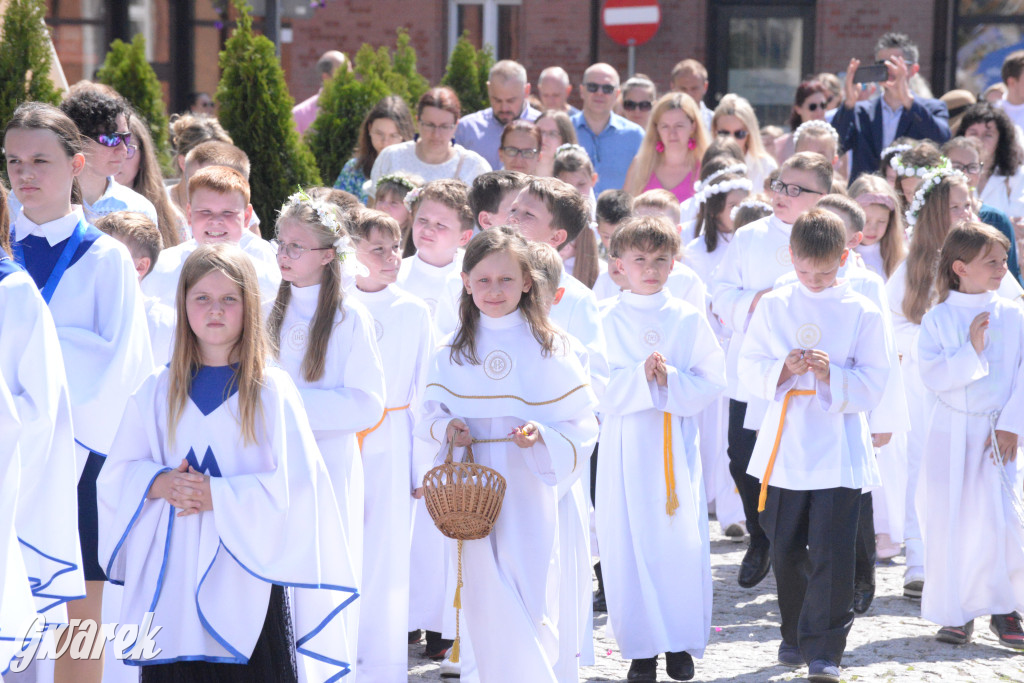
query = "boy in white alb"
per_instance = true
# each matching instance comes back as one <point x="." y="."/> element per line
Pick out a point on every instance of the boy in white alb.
<point x="218" y="211"/>
<point x="666" y="367"/>
<point x="815" y="349"/>
<point x="142" y="238"/>
<point x="393" y="477"/>
<point x="756" y="257"/>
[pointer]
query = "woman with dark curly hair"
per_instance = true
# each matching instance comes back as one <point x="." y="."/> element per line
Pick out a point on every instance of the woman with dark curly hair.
<point x="1001" y="184"/>
<point x="388" y="123"/>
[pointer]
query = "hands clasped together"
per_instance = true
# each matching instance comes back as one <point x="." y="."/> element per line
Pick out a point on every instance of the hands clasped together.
<point x="184" y="488"/>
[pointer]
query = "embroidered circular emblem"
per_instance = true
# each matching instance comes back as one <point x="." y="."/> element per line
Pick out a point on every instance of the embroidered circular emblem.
<point x="651" y="337"/>
<point x="297" y="336"/>
<point x="808" y="335"/>
<point x="783" y="257"/>
<point x="497" y="364"/>
<point x="378" y="329"/>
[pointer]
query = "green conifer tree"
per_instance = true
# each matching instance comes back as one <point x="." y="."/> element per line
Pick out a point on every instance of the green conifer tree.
<point x="25" y="58"/>
<point x="461" y="75"/>
<point x="255" y="109"/>
<point x="126" y="70"/>
<point x="405" y="67"/>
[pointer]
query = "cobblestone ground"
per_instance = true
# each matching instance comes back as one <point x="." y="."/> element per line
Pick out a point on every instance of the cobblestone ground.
<point x="890" y="643"/>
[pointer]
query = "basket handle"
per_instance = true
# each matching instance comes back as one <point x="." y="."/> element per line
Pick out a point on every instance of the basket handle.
<point x="451" y="450"/>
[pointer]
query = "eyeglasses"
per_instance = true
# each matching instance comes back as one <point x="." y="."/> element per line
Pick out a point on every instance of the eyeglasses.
<point x="434" y="128"/>
<point x="606" y="88"/>
<point x="974" y="167"/>
<point x="113" y="139"/>
<point x="514" y="152"/>
<point x="132" y="150"/>
<point x="790" y="190"/>
<point x="738" y="134"/>
<point x="630" y="105"/>
<point x="293" y="251"/>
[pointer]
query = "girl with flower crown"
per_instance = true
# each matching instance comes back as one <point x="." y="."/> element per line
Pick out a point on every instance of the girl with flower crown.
<point x="670" y="153"/>
<point x="327" y="343"/>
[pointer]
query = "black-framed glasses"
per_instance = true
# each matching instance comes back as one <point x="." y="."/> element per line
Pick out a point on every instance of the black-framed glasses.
<point x="974" y="167"/>
<point x="292" y="250"/>
<point x="114" y="139"/>
<point x="435" y="127"/>
<point x="630" y="105"/>
<point x="606" y="88"/>
<point x="513" y="152"/>
<point x="738" y="134"/>
<point x="790" y="189"/>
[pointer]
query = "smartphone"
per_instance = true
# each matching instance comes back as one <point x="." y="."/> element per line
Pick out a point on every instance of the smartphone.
<point x="871" y="73"/>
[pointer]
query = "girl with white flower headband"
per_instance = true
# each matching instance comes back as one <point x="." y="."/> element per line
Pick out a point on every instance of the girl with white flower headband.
<point x="390" y="197"/>
<point x="885" y="238"/>
<point x="913" y="165"/>
<point x="327" y="344"/>
<point x="820" y="137"/>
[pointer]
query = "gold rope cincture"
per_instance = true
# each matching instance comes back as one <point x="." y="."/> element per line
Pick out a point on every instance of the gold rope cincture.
<point x="671" y="499"/>
<point x="763" y="497"/>
<point x="361" y="436"/>
<point x="1008" y="486"/>
<point x="457" y="604"/>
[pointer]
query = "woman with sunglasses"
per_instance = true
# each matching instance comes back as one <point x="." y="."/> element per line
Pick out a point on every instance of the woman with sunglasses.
<point x="433" y="154"/>
<point x="102" y="117"/>
<point x="556" y="129"/>
<point x="520" y="147"/>
<point x="670" y="154"/>
<point x="638" y="96"/>
<point x="809" y="105"/>
<point x="734" y="117"/>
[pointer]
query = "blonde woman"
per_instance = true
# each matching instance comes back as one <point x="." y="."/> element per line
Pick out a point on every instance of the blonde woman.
<point x="734" y="117"/>
<point x="669" y="156"/>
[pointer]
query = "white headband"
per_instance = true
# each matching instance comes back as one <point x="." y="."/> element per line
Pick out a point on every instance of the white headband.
<point x="725" y="188"/>
<point x="750" y="204"/>
<point x="736" y="168"/>
<point x="824" y="126"/>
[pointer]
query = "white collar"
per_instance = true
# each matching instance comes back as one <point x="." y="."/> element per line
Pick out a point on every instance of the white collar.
<point x="55" y="232"/>
<point x="971" y="300"/>
<point x="513" y="319"/>
<point x="645" y="301"/>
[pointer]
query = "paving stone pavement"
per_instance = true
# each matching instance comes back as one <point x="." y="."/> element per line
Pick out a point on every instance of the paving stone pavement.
<point x="890" y="643"/>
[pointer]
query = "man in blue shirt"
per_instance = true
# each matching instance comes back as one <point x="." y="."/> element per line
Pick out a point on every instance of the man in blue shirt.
<point x="507" y="89"/>
<point x="611" y="140"/>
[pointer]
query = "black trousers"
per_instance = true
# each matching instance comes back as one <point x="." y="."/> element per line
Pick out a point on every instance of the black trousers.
<point x="866" y="554"/>
<point x="813" y="534"/>
<point x="741" y="446"/>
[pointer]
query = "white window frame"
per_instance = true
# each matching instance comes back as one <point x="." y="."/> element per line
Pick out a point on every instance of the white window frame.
<point x="490" y="21"/>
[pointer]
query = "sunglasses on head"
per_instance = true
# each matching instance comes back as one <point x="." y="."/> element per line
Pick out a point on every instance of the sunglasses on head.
<point x="630" y="105"/>
<point x="606" y="88"/>
<point x="113" y="139"/>
<point x="738" y="134"/>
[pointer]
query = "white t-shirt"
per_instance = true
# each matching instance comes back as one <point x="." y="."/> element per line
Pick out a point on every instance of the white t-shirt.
<point x="464" y="165"/>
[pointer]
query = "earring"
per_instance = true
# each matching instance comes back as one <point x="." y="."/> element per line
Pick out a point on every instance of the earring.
<point x="660" y="147"/>
<point x="691" y="144"/>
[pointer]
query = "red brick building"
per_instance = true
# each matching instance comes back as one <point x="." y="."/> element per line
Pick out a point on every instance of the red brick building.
<point x="758" y="48"/>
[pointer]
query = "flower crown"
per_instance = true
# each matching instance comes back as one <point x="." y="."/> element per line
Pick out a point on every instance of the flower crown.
<point x="410" y="198"/>
<point x="326" y="214"/>
<point x="735" y="168"/>
<point x="398" y="179"/>
<point x="904" y="171"/>
<point x="750" y="204"/>
<point x="930" y="182"/>
<point x="568" y="147"/>
<point x="724" y="188"/>
<point x="816" y="125"/>
<point x="894" y="149"/>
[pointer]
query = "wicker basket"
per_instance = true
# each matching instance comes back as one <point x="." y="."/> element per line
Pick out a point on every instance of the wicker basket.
<point x="463" y="498"/>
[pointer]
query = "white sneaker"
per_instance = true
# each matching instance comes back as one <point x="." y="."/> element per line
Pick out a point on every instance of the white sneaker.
<point x="450" y="669"/>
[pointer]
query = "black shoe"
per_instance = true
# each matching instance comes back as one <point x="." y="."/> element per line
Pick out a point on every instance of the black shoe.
<point x="913" y="589"/>
<point x="679" y="666"/>
<point x="415" y="636"/>
<point x="956" y="635"/>
<point x="755" y="566"/>
<point x="823" y="671"/>
<point x="789" y="655"/>
<point x="863" y="594"/>
<point x="437" y="647"/>
<point x="600" y="605"/>
<point x="1008" y="629"/>
<point x="645" y="670"/>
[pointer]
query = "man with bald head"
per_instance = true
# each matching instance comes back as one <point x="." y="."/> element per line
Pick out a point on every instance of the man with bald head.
<point x="554" y="88"/>
<point x="507" y="89"/>
<point x="305" y="112"/>
<point x="611" y="140"/>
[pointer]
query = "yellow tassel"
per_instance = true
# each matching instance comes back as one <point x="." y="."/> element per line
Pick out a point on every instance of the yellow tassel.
<point x="455" y="652"/>
<point x="458" y="597"/>
<point x="672" y="504"/>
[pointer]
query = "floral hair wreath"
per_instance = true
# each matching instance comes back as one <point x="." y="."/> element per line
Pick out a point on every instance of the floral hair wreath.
<point x="398" y="179"/>
<point x="903" y="171"/>
<point x="724" y="188"/>
<point x="750" y="204"/>
<point x="410" y="198"/>
<point x="930" y="182"/>
<point x="895" y="149"/>
<point x="816" y="125"/>
<point x="569" y="147"/>
<point x="326" y="213"/>
<point x="735" y="168"/>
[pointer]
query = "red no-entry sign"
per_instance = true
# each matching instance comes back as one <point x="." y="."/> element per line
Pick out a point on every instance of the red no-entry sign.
<point x="631" y="22"/>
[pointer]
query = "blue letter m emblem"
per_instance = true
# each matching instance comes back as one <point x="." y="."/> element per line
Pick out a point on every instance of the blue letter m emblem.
<point x="208" y="466"/>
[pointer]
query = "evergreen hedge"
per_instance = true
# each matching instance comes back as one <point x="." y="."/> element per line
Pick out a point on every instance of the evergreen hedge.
<point x="25" y="58"/>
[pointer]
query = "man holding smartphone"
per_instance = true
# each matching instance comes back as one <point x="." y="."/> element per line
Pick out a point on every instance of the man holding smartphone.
<point x="868" y="127"/>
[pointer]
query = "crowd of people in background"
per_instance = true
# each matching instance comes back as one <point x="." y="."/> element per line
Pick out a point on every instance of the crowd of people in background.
<point x="641" y="313"/>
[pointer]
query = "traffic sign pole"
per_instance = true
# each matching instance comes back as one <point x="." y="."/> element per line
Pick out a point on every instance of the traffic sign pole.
<point x="631" y="23"/>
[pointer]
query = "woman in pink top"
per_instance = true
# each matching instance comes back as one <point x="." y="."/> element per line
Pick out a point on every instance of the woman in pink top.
<point x="669" y="157"/>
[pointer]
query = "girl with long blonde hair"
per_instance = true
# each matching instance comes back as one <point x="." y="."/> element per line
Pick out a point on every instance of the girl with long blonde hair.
<point x="734" y="117"/>
<point x="670" y="154"/>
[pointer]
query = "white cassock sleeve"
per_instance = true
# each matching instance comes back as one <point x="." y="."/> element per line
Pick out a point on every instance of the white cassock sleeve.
<point x="759" y="367"/>
<point x="359" y="404"/>
<point x="1011" y="419"/>
<point x="944" y="369"/>
<point x="584" y="323"/>
<point x="422" y="451"/>
<point x="859" y="388"/>
<point x="729" y="299"/>
<point x="689" y="390"/>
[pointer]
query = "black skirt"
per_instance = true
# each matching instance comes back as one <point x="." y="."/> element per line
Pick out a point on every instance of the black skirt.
<point x="272" y="660"/>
